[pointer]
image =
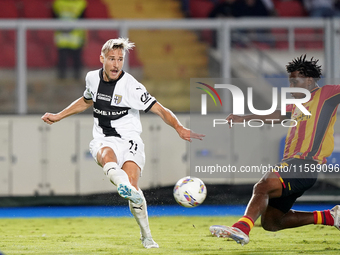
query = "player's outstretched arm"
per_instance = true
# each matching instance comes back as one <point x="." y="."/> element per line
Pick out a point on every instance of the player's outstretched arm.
<point x="275" y="117"/>
<point x="79" y="105"/>
<point x="170" y="118"/>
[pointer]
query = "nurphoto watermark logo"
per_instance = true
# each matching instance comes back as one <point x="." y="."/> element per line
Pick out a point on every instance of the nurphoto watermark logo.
<point x="253" y="145"/>
<point x="238" y="99"/>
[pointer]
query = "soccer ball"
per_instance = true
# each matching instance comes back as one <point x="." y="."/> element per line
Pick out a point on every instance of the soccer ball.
<point x="190" y="192"/>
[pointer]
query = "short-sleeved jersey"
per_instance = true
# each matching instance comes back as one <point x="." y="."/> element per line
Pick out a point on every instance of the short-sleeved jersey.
<point x="312" y="137"/>
<point x="116" y="104"/>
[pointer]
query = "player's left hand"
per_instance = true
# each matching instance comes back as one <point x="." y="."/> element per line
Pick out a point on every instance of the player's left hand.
<point x="187" y="134"/>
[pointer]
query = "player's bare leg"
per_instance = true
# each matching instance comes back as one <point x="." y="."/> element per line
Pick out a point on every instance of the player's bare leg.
<point x="274" y="220"/>
<point x="268" y="187"/>
<point x="139" y="211"/>
<point x="107" y="159"/>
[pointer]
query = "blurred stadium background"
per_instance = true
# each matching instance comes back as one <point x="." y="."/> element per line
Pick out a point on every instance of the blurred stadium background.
<point x="175" y="41"/>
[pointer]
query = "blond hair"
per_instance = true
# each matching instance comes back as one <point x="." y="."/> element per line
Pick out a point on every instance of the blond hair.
<point x="120" y="43"/>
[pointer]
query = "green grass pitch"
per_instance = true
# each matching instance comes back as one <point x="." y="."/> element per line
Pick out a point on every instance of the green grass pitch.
<point x="175" y="235"/>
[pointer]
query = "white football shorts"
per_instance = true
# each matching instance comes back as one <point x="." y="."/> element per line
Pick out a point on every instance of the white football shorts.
<point x="125" y="149"/>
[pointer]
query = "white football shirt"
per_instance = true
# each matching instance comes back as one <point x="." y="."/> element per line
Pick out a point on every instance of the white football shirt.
<point x="116" y="104"/>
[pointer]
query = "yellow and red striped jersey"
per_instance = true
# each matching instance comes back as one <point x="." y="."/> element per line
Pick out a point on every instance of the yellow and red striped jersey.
<point x="312" y="138"/>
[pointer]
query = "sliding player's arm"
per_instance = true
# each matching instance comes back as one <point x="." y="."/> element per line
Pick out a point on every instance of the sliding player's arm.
<point x="275" y="118"/>
<point x="79" y="105"/>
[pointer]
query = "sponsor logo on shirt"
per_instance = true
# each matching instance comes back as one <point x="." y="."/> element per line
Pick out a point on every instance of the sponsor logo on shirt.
<point x="104" y="97"/>
<point x="109" y="113"/>
<point x="145" y="98"/>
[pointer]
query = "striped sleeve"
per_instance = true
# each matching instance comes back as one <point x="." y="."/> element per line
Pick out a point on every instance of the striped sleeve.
<point x="289" y="109"/>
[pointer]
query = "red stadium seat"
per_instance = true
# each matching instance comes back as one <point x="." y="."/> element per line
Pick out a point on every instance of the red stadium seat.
<point x="290" y="8"/>
<point x="31" y="36"/>
<point x="309" y="45"/>
<point x="9" y="35"/>
<point x="2" y="37"/>
<point x="44" y="39"/>
<point x="36" y="56"/>
<point x="282" y="45"/>
<point x="41" y="51"/>
<point x="104" y="35"/>
<point x="309" y="38"/>
<point x="96" y="10"/>
<point x="36" y="9"/>
<point x="8" y="9"/>
<point x="200" y="8"/>
<point x="280" y="36"/>
<point x="51" y="54"/>
<point x="91" y="53"/>
<point x="45" y="36"/>
<point x="208" y="36"/>
<point x="8" y="55"/>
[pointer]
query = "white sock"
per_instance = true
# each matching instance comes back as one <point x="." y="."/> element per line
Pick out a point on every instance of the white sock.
<point x="116" y="174"/>
<point x="140" y="212"/>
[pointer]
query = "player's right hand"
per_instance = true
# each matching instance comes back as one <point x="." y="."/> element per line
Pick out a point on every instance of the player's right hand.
<point x="234" y="119"/>
<point x="50" y="118"/>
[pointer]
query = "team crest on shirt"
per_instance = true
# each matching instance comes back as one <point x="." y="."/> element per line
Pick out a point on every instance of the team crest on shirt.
<point x="299" y="116"/>
<point x="117" y="99"/>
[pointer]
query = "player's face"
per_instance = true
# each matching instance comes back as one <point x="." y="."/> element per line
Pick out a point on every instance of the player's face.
<point x="112" y="64"/>
<point x="297" y="80"/>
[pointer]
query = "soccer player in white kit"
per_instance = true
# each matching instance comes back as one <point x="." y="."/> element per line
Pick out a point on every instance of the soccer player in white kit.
<point x="117" y="97"/>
